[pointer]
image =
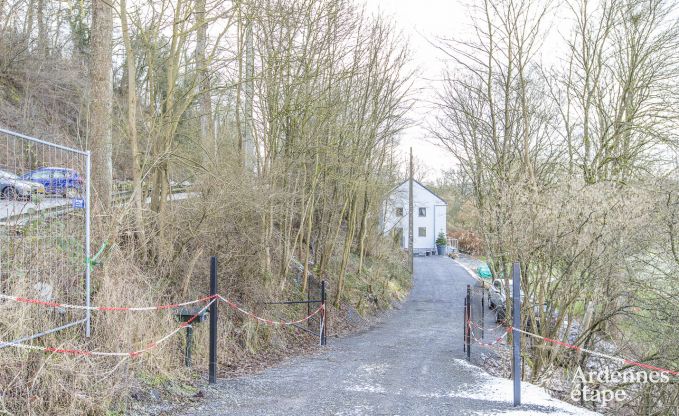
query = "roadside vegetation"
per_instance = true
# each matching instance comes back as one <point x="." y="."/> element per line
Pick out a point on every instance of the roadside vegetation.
<point x="568" y="164"/>
<point x="279" y="119"/>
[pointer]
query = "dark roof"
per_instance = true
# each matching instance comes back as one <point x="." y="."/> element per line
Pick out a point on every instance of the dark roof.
<point x="420" y="183"/>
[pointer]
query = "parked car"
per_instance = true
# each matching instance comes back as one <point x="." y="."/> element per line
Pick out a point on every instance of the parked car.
<point x="60" y="181"/>
<point x="13" y="187"/>
<point x="497" y="299"/>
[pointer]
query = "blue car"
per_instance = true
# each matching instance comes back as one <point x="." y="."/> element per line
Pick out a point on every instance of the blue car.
<point x="60" y="181"/>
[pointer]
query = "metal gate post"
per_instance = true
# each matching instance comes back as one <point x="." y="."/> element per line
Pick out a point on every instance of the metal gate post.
<point x="467" y="324"/>
<point x="88" y="171"/>
<point x="516" y="338"/>
<point x="189" y="342"/>
<point x="483" y="311"/>
<point x="323" y="315"/>
<point x="212" y="377"/>
<point x="464" y="327"/>
<point x="308" y="305"/>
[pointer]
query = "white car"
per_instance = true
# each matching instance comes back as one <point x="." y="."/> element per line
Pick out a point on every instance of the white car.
<point x="12" y="187"/>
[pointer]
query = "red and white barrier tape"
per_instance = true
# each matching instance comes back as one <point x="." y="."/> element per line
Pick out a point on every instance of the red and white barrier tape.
<point x="152" y="345"/>
<point x="598" y="354"/>
<point x="130" y="354"/>
<point x="235" y="307"/>
<point x="486" y="344"/>
<point x="105" y="308"/>
<point x="486" y="329"/>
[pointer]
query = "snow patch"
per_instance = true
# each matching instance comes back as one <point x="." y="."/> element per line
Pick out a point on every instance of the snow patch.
<point x="366" y="388"/>
<point x="373" y="369"/>
<point x="500" y="389"/>
<point x="359" y="410"/>
<point x="465" y="363"/>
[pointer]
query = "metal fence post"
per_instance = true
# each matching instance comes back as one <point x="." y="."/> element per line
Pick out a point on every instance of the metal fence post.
<point x="467" y="324"/>
<point x="464" y="327"/>
<point x="516" y="324"/>
<point x="483" y="311"/>
<point x="189" y="341"/>
<point x="213" y="322"/>
<point x="323" y="315"/>
<point x="308" y="305"/>
<point x="88" y="170"/>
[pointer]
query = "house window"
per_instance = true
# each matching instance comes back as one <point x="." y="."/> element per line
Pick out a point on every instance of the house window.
<point x="422" y="231"/>
<point x="422" y="212"/>
<point x="399" y="212"/>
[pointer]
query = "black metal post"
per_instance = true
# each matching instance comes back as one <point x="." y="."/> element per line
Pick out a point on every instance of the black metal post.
<point x="469" y="318"/>
<point x="516" y="324"/>
<point x="483" y="311"/>
<point x="323" y="314"/>
<point x="464" y="327"/>
<point x="213" y="322"/>
<point x="189" y="341"/>
<point x="308" y="305"/>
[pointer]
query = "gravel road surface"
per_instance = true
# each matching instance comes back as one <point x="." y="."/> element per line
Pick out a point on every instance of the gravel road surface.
<point x="409" y="364"/>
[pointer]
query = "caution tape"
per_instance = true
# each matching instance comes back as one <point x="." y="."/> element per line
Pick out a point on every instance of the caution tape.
<point x="130" y="354"/>
<point x="486" y="344"/>
<point x="486" y="329"/>
<point x="235" y="307"/>
<point x="232" y="305"/>
<point x="104" y="308"/>
<point x="152" y="345"/>
<point x="595" y="353"/>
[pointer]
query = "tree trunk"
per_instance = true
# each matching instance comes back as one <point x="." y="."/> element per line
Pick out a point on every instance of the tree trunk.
<point x="42" y="30"/>
<point x="363" y="231"/>
<point x="137" y="193"/>
<point x="348" y="241"/>
<point x="101" y="96"/>
<point x="207" y="140"/>
<point x="28" y="24"/>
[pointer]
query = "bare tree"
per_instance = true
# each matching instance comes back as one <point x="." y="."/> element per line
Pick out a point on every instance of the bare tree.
<point x="101" y="99"/>
<point x="563" y="164"/>
<point x="208" y="141"/>
<point x="138" y="190"/>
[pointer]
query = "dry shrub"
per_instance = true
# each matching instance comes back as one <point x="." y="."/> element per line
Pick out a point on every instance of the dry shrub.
<point x="53" y="383"/>
<point x="42" y="383"/>
<point x="468" y="241"/>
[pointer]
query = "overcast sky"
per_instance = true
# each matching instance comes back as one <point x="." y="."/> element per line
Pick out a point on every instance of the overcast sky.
<point x="422" y="21"/>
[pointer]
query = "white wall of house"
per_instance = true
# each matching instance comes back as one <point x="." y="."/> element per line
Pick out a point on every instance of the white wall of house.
<point x="425" y="202"/>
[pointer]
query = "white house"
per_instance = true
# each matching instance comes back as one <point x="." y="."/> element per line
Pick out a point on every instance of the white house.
<point x="429" y="217"/>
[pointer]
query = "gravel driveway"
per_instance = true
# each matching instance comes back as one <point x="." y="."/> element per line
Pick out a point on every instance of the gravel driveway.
<point x="410" y="364"/>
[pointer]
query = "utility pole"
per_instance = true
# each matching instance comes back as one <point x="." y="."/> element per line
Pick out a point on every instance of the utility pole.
<point x="410" y="212"/>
